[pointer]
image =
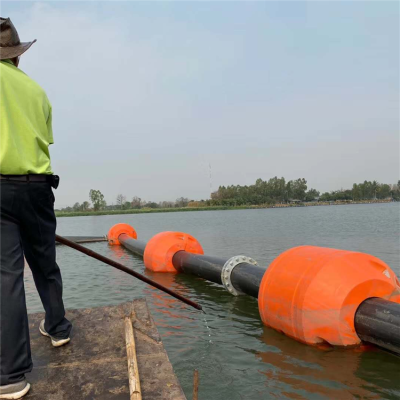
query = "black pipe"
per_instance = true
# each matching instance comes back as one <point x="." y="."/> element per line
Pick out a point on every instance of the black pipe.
<point x="245" y="278"/>
<point x="133" y="245"/>
<point x="377" y="321"/>
<point x="206" y="267"/>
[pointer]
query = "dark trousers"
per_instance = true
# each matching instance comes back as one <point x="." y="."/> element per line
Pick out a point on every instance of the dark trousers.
<point x="28" y="227"/>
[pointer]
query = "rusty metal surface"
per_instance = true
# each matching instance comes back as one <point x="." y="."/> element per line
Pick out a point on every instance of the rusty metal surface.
<point x="94" y="364"/>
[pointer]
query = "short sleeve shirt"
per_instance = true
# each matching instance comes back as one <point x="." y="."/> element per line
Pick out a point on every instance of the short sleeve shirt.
<point x="25" y="124"/>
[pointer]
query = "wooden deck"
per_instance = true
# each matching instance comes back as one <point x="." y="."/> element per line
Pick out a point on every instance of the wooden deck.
<point x="94" y="364"/>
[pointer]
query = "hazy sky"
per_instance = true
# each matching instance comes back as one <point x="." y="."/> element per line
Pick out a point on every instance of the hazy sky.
<point x="147" y="94"/>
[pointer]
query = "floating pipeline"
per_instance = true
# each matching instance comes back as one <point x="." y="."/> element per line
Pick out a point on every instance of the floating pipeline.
<point x="312" y="294"/>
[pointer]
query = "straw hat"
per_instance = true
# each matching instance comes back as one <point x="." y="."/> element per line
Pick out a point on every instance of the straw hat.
<point x="10" y="45"/>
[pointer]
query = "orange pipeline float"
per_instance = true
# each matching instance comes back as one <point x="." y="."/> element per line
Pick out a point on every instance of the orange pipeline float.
<point x="312" y="294"/>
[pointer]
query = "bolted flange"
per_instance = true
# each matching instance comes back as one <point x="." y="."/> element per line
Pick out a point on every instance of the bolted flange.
<point x="228" y="268"/>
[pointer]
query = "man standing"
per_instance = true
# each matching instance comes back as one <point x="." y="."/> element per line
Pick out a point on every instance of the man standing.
<point x="27" y="219"/>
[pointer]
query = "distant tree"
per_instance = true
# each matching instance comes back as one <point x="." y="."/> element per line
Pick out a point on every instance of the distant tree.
<point x="356" y="192"/>
<point x="85" y="206"/>
<point x="311" y="195"/>
<point x="367" y="190"/>
<point x="97" y="199"/>
<point x="325" y="197"/>
<point x="383" y="191"/>
<point x="289" y="191"/>
<point x="299" y="188"/>
<point x="151" y="204"/>
<point x="348" y="194"/>
<point x="166" y="204"/>
<point x="136" y="202"/>
<point x="277" y="189"/>
<point x="374" y="188"/>
<point x="396" y="191"/>
<point x="126" y="205"/>
<point x="76" y="207"/>
<point x="121" y="199"/>
<point x="182" y="202"/>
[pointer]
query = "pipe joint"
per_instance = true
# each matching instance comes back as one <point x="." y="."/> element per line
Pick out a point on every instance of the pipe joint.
<point x="227" y="271"/>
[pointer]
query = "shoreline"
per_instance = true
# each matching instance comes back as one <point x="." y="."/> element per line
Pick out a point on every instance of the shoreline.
<point x="60" y="214"/>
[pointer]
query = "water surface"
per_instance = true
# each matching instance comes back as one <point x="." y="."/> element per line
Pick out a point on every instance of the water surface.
<point x="237" y="357"/>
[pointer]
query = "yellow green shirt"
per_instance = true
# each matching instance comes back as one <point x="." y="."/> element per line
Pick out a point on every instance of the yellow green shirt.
<point x="25" y="124"/>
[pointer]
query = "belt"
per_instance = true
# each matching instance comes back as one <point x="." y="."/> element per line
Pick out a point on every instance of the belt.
<point x="25" y="178"/>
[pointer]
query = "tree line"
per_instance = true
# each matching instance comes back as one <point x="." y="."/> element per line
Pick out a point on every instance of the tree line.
<point x="278" y="190"/>
<point x="274" y="191"/>
<point x="98" y="203"/>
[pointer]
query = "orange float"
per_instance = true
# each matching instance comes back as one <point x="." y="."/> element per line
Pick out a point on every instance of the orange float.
<point x="162" y="247"/>
<point x="312" y="293"/>
<point x="117" y="230"/>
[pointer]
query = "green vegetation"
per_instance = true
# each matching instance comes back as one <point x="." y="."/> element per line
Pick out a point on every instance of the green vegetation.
<point x="145" y="211"/>
<point x="278" y="191"/>
<point x="97" y="198"/>
<point x="275" y="192"/>
<point x="365" y="191"/>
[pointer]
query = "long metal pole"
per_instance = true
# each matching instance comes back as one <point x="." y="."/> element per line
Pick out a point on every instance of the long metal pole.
<point x="121" y="267"/>
<point x="377" y="321"/>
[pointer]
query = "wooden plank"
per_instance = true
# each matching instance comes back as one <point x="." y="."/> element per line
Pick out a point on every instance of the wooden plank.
<point x="196" y="385"/>
<point x="133" y="370"/>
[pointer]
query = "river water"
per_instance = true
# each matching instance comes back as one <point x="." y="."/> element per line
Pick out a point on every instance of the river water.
<point x="237" y="357"/>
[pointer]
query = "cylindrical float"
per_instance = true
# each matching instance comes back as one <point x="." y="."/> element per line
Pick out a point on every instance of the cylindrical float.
<point x="312" y="293"/>
<point x="162" y="247"/>
<point x="119" y="229"/>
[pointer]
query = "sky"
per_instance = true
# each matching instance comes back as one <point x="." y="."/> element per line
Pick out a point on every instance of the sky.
<point x="147" y="96"/>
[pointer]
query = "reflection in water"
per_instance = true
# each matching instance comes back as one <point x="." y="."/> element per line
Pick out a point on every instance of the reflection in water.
<point x="118" y="253"/>
<point x="298" y="369"/>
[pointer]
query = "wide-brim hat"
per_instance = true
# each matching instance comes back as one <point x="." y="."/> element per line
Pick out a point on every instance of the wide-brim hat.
<point x="10" y="45"/>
